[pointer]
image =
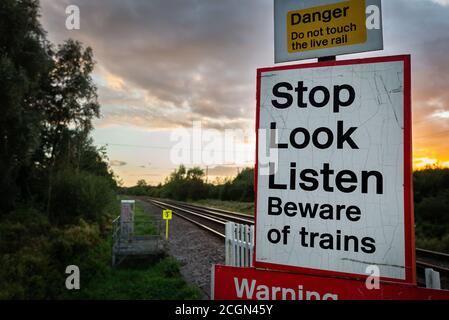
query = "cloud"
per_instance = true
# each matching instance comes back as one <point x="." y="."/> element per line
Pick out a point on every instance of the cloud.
<point x="442" y="2"/>
<point x="169" y="63"/>
<point x="165" y="64"/>
<point x="441" y="114"/>
<point x="117" y="163"/>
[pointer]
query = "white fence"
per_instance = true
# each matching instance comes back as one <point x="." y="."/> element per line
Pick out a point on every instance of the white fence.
<point x="239" y="244"/>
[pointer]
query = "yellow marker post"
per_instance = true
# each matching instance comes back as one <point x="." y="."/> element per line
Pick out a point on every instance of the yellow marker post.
<point x="166" y="215"/>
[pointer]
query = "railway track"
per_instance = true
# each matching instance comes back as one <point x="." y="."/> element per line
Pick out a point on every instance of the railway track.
<point x="214" y="221"/>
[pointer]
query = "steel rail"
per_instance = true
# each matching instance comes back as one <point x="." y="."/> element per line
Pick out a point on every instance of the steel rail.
<point x="203" y="226"/>
<point x="433" y="254"/>
<point x="221" y="221"/>
<point x="238" y="214"/>
<point x="214" y="212"/>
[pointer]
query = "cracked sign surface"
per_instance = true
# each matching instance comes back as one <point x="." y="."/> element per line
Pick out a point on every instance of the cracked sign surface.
<point x="334" y="168"/>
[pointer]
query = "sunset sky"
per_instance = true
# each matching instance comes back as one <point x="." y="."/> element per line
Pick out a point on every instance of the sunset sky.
<point x="163" y="64"/>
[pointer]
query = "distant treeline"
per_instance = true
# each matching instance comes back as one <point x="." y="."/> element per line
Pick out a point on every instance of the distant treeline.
<point x="189" y="184"/>
<point x="431" y="194"/>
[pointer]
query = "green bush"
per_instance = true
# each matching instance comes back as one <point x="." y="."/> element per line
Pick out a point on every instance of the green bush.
<point x="80" y="195"/>
<point x="34" y="254"/>
<point x="435" y="244"/>
<point x="432" y="215"/>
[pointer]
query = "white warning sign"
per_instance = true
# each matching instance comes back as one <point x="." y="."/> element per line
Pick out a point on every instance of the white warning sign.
<point x="334" y="168"/>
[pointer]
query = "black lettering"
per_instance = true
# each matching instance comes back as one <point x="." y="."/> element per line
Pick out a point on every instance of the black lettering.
<point x="326" y="241"/>
<point x="306" y="141"/>
<point x="274" y="203"/>
<point x="337" y="98"/>
<point x="271" y="182"/>
<point x="329" y="140"/>
<point x="293" y="176"/>
<point x="309" y="183"/>
<point x="300" y="89"/>
<point x="307" y="210"/>
<point x="355" y="241"/>
<point x="327" y="15"/>
<point x="285" y="95"/>
<point x="274" y="236"/>
<point x="273" y="138"/>
<point x="312" y="97"/>
<point x="368" y="245"/>
<point x="326" y="172"/>
<point x="295" y="19"/>
<point x="343" y="137"/>
<point x="338" y="241"/>
<point x="326" y="212"/>
<point x="290" y="209"/>
<point x="353" y="213"/>
<point x="313" y="235"/>
<point x="337" y="13"/>
<point x="303" y="233"/>
<point x="379" y="181"/>
<point x="340" y="179"/>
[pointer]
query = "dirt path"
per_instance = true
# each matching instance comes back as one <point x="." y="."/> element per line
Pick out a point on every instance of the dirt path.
<point x="195" y="249"/>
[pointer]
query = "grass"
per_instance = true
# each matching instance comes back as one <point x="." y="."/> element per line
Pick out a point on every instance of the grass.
<point x="138" y="280"/>
<point x="144" y="224"/>
<point x="242" y="207"/>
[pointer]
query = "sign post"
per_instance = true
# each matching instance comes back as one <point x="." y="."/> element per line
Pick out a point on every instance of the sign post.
<point x="166" y="215"/>
<point x="334" y="167"/>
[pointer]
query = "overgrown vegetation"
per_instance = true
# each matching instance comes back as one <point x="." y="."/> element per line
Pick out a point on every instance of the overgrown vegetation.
<point x="56" y="189"/>
<point x="34" y="253"/>
<point x="431" y="190"/>
<point x="137" y="279"/>
<point x="161" y="281"/>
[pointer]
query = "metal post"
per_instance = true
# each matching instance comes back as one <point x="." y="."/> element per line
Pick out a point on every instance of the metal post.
<point x="432" y="279"/>
<point x="228" y="230"/>
<point x="166" y="229"/>
<point x="329" y="58"/>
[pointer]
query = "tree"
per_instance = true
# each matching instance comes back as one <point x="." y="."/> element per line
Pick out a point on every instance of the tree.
<point x="48" y="102"/>
<point x="195" y="174"/>
<point x="70" y="103"/>
<point x="141" y="183"/>
<point x="24" y="64"/>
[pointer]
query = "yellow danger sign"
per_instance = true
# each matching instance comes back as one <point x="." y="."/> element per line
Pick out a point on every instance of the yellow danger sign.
<point x="167" y="214"/>
<point x="329" y="26"/>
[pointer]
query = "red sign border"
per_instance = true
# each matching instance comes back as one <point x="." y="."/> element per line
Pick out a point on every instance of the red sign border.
<point x="409" y="232"/>
<point x="346" y="289"/>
